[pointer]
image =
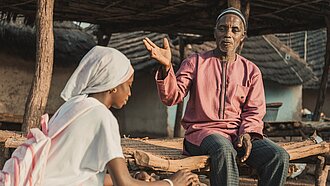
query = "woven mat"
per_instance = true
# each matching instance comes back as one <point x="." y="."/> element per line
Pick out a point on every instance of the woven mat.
<point x="164" y="148"/>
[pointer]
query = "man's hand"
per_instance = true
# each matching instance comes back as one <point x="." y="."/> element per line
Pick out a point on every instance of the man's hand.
<point x="162" y="55"/>
<point x="244" y="141"/>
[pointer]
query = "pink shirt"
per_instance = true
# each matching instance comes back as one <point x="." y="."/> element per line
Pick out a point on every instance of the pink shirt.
<point x="236" y="110"/>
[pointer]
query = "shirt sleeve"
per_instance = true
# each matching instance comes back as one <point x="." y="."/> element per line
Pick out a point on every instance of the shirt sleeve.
<point x="254" y="109"/>
<point x="174" y="87"/>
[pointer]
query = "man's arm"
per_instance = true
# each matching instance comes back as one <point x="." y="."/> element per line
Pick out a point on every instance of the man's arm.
<point x="254" y="109"/>
<point x="172" y="88"/>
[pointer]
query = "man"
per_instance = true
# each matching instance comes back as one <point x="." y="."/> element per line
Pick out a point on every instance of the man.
<point x="223" y="117"/>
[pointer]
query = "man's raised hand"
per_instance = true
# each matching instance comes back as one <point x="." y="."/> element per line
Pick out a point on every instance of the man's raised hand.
<point x="162" y="55"/>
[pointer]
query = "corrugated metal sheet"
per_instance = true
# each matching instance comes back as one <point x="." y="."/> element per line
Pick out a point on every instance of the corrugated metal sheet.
<point x="315" y="51"/>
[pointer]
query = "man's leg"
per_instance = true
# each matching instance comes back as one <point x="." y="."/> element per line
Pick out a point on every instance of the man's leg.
<point x="224" y="171"/>
<point x="271" y="162"/>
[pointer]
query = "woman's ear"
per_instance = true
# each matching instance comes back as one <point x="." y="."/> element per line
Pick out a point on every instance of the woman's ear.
<point x="113" y="90"/>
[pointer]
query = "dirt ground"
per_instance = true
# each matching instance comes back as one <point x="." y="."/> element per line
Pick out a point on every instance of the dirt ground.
<point x="302" y="180"/>
<point x="244" y="181"/>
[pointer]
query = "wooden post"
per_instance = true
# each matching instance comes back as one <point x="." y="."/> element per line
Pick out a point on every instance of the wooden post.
<point x="234" y="3"/>
<point x="103" y="37"/>
<point x="179" y="108"/>
<point x="324" y="80"/>
<point x="2" y="154"/>
<point x="245" y="9"/>
<point x="321" y="171"/>
<point x="37" y="99"/>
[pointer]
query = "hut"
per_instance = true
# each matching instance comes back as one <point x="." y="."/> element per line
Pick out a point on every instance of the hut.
<point x="17" y="61"/>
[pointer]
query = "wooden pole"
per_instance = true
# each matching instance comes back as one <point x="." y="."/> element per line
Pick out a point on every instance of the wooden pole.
<point x="179" y="108"/>
<point x="234" y="3"/>
<point x="321" y="171"/>
<point x="245" y="9"/>
<point x="37" y="99"/>
<point x="103" y="37"/>
<point x="324" y="80"/>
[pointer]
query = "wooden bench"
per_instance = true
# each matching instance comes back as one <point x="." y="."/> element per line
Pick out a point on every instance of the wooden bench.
<point x="166" y="154"/>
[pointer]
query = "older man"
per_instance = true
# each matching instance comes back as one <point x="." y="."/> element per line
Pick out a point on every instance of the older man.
<point x="223" y="117"/>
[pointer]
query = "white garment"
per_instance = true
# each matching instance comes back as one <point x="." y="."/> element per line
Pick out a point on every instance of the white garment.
<point x="79" y="154"/>
<point x="101" y="69"/>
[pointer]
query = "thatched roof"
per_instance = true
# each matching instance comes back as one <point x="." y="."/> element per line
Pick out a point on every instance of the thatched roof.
<point x="276" y="61"/>
<point x="132" y="46"/>
<point x="177" y="16"/>
<point x="315" y="51"/>
<point x="71" y="43"/>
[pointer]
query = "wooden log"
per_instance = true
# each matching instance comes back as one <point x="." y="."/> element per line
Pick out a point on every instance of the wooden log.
<point x="310" y="150"/>
<point x="294" y="145"/>
<point x="37" y="99"/>
<point x="148" y="160"/>
<point x="307" y="127"/>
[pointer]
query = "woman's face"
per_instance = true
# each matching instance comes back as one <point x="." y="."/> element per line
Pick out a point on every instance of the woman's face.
<point x="120" y="97"/>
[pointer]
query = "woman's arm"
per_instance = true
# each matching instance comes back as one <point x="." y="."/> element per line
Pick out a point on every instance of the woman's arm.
<point x="121" y="177"/>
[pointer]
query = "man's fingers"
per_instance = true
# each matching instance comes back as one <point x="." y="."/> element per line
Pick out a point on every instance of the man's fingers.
<point x="166" y="43"/>
<point x="248" y="147"/>
<point x="240" y="141"/>
<point x="152" y="44"/>
<point x="147" y="45"/>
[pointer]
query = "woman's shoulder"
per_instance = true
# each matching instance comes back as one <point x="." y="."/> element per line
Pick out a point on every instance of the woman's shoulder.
<point x="92" y="107"/>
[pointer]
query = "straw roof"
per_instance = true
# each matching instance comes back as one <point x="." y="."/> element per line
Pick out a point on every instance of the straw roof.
<point x="276" y="61"/>
<point x="315" y="51"/>
<point x="132" y="46"/>
<point x="71" y="43"/>
<point x="178" y="16"/>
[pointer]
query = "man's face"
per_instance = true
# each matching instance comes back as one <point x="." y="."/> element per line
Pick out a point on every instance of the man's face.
<point x="229" y="33"/>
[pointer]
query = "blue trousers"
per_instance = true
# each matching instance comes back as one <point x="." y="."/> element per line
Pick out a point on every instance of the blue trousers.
<point x="270" y="160"/>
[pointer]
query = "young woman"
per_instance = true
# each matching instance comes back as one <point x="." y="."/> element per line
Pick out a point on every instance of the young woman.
<point x="81" y="152"/>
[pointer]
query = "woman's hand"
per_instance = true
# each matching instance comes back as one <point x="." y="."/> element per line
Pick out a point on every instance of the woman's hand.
<point x="184" y="178"/>
<point x="144" y="176"/>
<point x="162" y="55"/>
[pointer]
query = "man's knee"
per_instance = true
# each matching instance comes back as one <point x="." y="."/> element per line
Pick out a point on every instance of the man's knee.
<point x="223" y="150"/>
<point x="281" y="155"/>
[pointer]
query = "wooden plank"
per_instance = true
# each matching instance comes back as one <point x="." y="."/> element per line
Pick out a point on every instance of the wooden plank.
<point x="11" y="118"/>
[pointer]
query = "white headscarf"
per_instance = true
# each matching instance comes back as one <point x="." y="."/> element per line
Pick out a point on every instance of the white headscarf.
<point x="101" y="69"/>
